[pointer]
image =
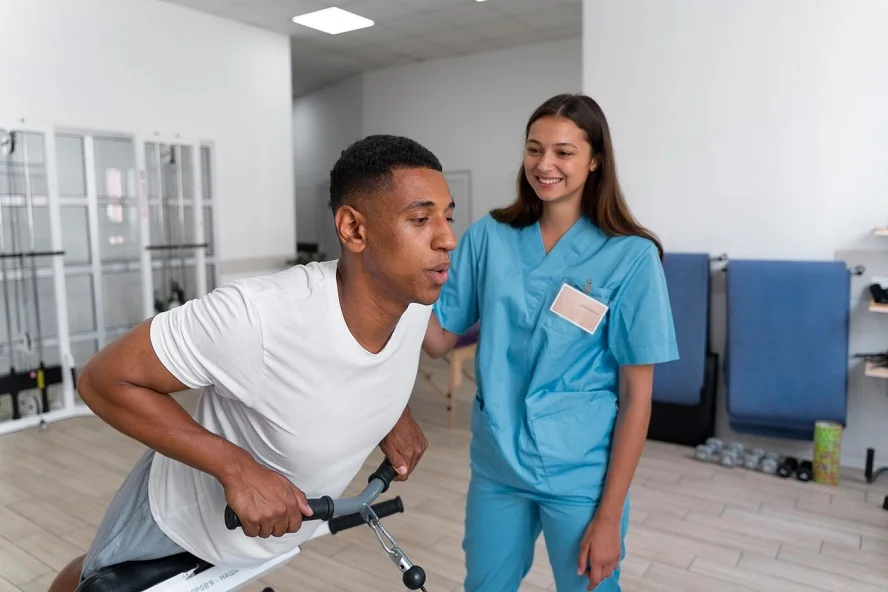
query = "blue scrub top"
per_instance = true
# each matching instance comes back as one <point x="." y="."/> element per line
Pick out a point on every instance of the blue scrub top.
<point x="547" y="390"/>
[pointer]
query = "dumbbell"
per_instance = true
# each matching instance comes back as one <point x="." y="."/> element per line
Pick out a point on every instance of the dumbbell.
<point x="705" y="453"/>
<point x="787" y="467"/>
<point x="729" y="457"/>
<point x="769" y="464"/>
<point x="710" y="451"/>
<point x="751" y="460"/>
<point x="805" y="471"/>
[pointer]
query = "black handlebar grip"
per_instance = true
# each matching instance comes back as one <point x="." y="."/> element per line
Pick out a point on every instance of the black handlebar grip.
<point x="386" y="472"/>
<point x="322" y="509"/>
<point x="231" y="519"/>
<point x="382" y="509"/>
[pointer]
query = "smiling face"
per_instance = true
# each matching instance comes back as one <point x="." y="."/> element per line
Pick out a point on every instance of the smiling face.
<point x="557" y="159"/>
<point x="406" y="235"/>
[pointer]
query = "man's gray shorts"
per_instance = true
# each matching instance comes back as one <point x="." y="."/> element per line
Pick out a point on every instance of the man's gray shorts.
<point x="128" y="531"/>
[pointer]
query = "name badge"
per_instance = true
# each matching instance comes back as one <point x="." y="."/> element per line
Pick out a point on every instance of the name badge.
<point x="578" y="308"/>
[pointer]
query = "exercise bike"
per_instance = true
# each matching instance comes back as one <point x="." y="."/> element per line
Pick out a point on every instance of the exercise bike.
<point x="186" y="573"/>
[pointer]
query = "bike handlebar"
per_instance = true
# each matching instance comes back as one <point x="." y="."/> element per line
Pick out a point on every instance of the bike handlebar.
<point x="381" y="509"/>
<point x="325" y="508"/>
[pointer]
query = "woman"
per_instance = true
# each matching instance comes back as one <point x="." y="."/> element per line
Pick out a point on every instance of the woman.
<point x="573" y="309"/>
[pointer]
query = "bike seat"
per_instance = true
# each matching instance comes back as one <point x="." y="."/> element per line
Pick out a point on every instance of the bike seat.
<point x="136" y="576"/>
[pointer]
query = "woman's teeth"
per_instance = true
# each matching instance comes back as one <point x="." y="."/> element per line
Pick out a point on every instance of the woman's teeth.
<point x="548" y="180"/>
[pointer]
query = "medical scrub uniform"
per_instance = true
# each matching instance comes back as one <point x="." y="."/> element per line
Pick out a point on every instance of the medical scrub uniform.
<point x="547" y="394"/>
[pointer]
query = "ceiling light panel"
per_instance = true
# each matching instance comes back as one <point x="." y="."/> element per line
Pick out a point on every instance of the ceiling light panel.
<point x="333" y="21"/>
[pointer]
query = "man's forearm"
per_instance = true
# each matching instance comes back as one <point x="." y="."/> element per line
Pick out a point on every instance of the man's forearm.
<point x="630" y="435"/>
<point x="161" y="423"/>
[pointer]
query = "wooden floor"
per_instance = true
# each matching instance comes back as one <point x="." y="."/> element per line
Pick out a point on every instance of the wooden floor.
<point x="695" y="527"/>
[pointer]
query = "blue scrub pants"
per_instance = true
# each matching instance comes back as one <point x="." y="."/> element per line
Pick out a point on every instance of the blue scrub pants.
<point x="501" y="528"/>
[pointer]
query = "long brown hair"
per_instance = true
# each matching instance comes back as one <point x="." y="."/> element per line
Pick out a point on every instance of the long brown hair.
<point x="603" y="200"/>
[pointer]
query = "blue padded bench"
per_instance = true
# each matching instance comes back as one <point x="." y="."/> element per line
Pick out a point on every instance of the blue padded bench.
<point x="684" y="394"/>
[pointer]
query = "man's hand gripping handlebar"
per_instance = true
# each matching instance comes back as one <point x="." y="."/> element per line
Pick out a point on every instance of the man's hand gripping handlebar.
<point x="347" y="512"/>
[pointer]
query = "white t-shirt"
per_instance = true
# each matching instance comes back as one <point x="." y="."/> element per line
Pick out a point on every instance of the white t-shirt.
<point x="284" y="379"/>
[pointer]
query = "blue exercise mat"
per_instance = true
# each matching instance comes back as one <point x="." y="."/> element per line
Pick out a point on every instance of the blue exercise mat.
<point x="786" y="360"/>
<point x="688" y="280"/>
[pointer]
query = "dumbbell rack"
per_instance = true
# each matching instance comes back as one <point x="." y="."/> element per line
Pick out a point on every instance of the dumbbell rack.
<point x="876" y="367"/>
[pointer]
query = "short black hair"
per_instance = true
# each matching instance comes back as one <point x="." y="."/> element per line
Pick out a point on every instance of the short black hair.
<point x="366" y="166"/>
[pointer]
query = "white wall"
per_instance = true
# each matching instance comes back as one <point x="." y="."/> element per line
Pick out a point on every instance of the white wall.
<point x="766" y="119"/>
<point x="324" y="123"/>
<point x="471" y="110"/>
<point x="144" y="65"/>
<point x="756" y="129"/>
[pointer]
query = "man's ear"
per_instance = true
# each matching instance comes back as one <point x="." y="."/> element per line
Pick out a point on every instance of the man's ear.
<point x="351" y="226"/>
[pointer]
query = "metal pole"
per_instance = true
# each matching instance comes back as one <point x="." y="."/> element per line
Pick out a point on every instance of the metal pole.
<point x="162" y="228"/>
<point x="32" y="243"/>
<point x="3" y="269"/>
<point x="41" y="379"/>
<point x="181" y="207"/>
<point x="18" y="272"/>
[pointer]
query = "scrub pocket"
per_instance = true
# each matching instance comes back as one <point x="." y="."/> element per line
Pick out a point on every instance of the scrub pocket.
<point x="574" y="440"/>
<point x="486" y="454"/>
<point x="556" y="325"/>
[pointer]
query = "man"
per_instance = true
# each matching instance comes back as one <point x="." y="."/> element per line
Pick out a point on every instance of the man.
<point x="304" y="372"/>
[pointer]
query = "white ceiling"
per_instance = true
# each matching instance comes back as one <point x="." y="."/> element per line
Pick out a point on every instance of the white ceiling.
<point x="406" y="30"/>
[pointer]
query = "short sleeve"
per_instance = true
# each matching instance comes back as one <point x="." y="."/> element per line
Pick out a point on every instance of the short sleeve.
<point x="642" y="329"/>
<point x="213" y="340"/>
<point x="457" y="306"/>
